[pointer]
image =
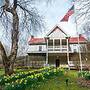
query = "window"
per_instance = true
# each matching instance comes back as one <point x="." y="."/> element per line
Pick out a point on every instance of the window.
<point x="64" y="41"/>
<point x="57" y="42"/>
<point x="75" y="50"/>
<point x="40" y="48"/>
<point x="50" y="42"/>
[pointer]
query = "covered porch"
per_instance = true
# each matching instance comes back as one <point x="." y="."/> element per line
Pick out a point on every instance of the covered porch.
<point x="60" y="58"/>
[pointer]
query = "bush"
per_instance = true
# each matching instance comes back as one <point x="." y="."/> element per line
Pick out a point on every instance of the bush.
<point x="84" y="74"/>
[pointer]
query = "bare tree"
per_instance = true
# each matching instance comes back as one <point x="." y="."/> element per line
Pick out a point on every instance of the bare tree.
<point x="86" y="30"/>
<point x="17" y="15"/>
<point x="82" y="12"/>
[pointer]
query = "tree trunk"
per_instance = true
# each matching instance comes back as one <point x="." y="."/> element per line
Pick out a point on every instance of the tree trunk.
<point x="14" y="38"/>
<point x="6" y="61"/>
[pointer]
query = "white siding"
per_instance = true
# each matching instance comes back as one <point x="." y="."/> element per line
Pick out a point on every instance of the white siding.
<point x="74" y="47"/>
<point x="36" y="48"/>
<point x="57" y="34"/>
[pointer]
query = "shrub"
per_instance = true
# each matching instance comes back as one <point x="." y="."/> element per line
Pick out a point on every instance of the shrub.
<point x="84" y="74"/>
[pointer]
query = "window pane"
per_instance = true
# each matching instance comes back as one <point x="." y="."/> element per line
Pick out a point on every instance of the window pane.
<point x="50" y="42"/>
<point x="64" y="42"/>
<point x="40" y="48"/>
<point x="57" y="42"/>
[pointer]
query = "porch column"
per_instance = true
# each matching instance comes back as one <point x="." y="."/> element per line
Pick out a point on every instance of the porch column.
<point x="47" y="53"/>
<point x="68" y="53"/>
<point x="53" y="45"/>
<point x="60" y="44"/>
<point x="86" y="51"/>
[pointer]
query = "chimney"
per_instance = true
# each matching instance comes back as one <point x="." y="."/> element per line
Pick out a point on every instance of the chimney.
<point x="32" y="36"/>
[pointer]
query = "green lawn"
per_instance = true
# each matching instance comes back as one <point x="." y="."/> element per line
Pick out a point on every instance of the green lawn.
<point x="58" y="83"/>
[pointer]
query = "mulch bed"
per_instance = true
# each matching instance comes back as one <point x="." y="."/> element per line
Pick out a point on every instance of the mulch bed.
<point x="83" y="82"/>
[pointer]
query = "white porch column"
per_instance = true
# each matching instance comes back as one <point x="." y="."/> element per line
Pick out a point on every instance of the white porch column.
<point x="68" y="53"/>
<point x="80" y="57"/>
<point x="53" y="45"/>
<point x="60" y="44"/>
<point x="47" y="53"/>
<point x="86" y="51"/>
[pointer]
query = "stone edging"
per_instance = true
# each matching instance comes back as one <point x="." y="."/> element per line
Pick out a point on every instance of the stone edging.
<point x="83" y="82"/>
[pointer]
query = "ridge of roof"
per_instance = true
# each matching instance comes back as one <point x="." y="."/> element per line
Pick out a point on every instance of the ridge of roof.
<point x="52" y="30"/>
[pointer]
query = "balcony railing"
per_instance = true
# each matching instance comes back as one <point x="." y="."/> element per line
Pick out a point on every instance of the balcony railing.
<point x="57" y="48"/>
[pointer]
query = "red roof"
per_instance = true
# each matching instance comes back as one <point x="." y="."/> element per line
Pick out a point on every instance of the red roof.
<point x="42" y="40"/>
<point x="75" y="39"/>
<point x="36" y="40"/>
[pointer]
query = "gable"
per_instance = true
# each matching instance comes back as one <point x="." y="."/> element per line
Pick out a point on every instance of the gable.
<point x="57" y="33"/>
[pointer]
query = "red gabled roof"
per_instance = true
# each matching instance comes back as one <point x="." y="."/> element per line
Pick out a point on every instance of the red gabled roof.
<point x="36" y="40"/>
<point x="73" y="40"/>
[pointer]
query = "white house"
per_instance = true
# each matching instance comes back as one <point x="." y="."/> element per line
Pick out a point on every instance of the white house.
<point x="55" y="47"/>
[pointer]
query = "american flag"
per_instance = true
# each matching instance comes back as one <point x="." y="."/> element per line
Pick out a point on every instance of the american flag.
<point x="68" y="14"/>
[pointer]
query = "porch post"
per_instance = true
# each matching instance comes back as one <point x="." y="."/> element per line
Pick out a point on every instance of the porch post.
<point x="53" y="45"/>
<point x="86" y="51"/>
<point x="47" y="52"/>
<point x="68" y="53"/>
<point x="60" y="44"/>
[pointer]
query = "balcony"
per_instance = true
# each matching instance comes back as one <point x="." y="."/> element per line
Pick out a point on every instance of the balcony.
<point x="57" y="48"/>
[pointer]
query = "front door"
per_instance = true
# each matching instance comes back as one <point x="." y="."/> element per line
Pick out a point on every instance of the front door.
<point x="57" y="62"/>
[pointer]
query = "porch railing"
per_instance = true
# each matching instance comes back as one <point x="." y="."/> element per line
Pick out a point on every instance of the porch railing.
<point x="57" y="48"/>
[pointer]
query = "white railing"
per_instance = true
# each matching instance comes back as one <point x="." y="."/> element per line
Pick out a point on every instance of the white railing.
<point x="57" y="48"/>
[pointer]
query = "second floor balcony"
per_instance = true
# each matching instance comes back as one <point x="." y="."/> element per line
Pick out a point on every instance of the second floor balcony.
<point x="57" y="48"/>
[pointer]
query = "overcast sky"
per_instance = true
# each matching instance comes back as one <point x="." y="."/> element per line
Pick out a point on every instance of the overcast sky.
<point x="53" y="13"/>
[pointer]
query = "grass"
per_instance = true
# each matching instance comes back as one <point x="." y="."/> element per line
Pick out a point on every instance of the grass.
<point x="59" y="83"/>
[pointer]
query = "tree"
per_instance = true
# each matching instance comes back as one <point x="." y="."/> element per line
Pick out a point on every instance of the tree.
<point x="86" y="30"/>
<point x="82" y="8"/>
<point x="17" y="15"/>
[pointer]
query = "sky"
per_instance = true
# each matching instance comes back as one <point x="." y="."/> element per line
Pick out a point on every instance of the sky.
<point x="53" y="13"/>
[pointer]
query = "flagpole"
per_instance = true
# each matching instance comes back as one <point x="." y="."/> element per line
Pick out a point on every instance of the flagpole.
<point x="78" y="43"/>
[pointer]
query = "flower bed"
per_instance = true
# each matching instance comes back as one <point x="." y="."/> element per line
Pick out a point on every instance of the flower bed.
<point x="84" y="74"/>
<point x="14" y="77"/>
<point x="83" y="82"/>
<point x="84" y="78"/>
<point x="32" y="80"/>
